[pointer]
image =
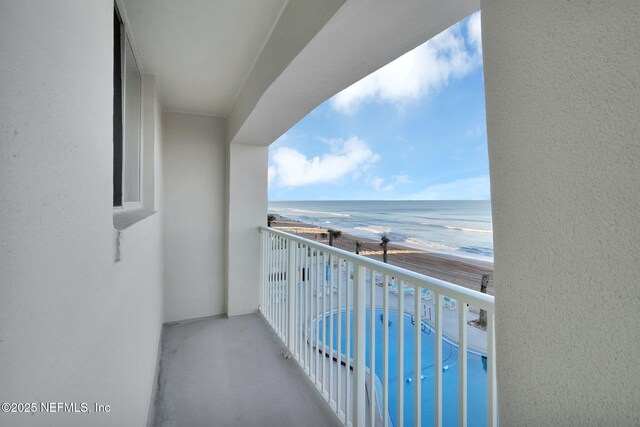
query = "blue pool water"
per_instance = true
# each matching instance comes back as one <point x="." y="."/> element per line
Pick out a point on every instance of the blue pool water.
<point x="476" y="373"/>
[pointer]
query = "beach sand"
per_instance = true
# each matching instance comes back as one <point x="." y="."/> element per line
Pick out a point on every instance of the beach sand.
<point x="460" y="271"/>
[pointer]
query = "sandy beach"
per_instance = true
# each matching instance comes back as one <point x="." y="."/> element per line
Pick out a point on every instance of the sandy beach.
<point x="461" y="271"/>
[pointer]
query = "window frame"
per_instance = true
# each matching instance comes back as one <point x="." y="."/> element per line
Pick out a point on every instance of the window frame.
<point x="120" y="202"/>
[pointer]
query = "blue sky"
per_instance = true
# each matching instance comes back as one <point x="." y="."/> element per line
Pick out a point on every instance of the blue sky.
<point x="415" y="129"/>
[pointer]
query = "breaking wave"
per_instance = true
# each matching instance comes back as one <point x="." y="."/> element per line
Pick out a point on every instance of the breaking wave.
<point x="451" y="227"/>
<point x="303" y="211"/>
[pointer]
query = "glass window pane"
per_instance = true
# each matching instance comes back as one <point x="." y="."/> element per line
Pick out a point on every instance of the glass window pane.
<point x="132" y="120"/>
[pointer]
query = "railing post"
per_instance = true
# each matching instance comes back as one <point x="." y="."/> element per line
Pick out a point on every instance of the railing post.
<point x="263" y="280"/>
<point x="437" y="413"/>
<point x="359" y="373"/>
<point x="291" y="296"/>
<point x="492" y="389"/>
<point x="463" y="311"/>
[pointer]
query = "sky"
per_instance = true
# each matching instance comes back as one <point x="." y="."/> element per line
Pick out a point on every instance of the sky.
<point x="413" y="130"/>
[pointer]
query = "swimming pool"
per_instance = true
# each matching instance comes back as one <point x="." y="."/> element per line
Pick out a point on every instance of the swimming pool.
<point x="476" y="370"/>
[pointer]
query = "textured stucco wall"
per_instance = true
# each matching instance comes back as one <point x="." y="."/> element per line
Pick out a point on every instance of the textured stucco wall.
<point x="194" y="220"/>
<point x="75" y="326"/>
<point x="247" y="195"/>
<point x="563" y="113"/>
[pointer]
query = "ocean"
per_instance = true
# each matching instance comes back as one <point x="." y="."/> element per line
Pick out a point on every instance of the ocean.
<point x="460" y="227"/>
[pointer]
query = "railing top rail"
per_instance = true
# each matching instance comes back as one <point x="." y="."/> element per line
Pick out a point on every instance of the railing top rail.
<point x="465" y="295"/>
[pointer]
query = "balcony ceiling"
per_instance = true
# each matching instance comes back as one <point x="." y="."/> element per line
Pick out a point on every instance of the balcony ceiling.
<point x="201" y="51"/>
<point x="265" y="64"/>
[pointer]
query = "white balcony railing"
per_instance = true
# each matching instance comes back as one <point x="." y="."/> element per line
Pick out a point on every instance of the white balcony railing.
<point x="344" y="319"/>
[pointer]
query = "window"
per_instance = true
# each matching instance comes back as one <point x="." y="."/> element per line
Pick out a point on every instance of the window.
<point x="127" y="86"/>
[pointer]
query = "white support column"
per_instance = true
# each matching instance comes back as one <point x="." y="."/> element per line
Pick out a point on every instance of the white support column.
<point x="562" y="102"/>
<point x="247" y="194"/>
<point x="359" y="373"/>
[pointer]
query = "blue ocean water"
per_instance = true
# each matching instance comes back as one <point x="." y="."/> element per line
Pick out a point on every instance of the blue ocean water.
<point x="455" y="227"/>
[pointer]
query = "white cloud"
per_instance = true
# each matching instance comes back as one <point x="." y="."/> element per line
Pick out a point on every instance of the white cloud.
<point x="474" y="30"/>
<point x="380" y="185"/>
<point x="291" y="168"/>
<point x="475" y="132"/>
<point x="377" y="183"/>
<point x="477" y="188"/>
<point x="420" y="72"/>
<point x="401" y="179"/>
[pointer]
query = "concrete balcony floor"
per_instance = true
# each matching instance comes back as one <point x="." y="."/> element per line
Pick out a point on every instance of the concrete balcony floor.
<point x="231" y="372"/>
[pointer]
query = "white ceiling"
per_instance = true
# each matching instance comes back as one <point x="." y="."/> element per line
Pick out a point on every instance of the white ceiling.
<point x="201" y="51"/>
<point x="212" y="56"/>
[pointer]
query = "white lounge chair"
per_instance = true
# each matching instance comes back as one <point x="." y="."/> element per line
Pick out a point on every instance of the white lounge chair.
<point x="450" y="303"/>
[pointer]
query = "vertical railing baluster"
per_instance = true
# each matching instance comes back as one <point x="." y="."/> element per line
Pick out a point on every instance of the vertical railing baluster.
<point x="347" y="394"/>
<point x="385" y="351"/>
<point x="417" y="358"/>
<point x="276" y="286"/>
<point x="331" y="281"/>
<point x="307" y="308"/>
<point x="300" y="288"/>
<point x="400" y="287"/>
<point x="324" y="322"/>
<point x="291" y="297"/>
<point x="262" y="252"/>
<point x="274" y="275"/>
<point x="279" y="292"/>
<point x="311" y="308"/>
<point x="463" y="311"/>
<point x="492" y="398"/>
<point x="339" y="392"/>
<point x="301" y="304"/>
<point x="274" y="283"/>
<point x="270" y="281"/>
<point x="285" y="285"/>
<point x="372" y="348"/>
<point x="359" y="317"/>
<point x="317" y="320"/>
<point x="437" y="413"/>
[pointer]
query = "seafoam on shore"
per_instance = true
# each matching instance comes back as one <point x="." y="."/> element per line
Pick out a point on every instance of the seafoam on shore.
<point x="465" y="272"/>
<point x="459" y="228"/>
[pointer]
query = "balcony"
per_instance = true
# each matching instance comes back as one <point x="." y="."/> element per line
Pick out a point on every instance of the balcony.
<point x="290" y="363"/>
<point x="83" y="305"/>
<point x="230" y="372"/>
<point x="339" y="314"/>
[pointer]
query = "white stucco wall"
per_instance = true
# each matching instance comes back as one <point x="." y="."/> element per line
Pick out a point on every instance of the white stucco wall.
<point x="562" y="94"/>
<point x="75" y="326"/>
<point x="247" y="204"/>
<point x="194" y="221"/>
